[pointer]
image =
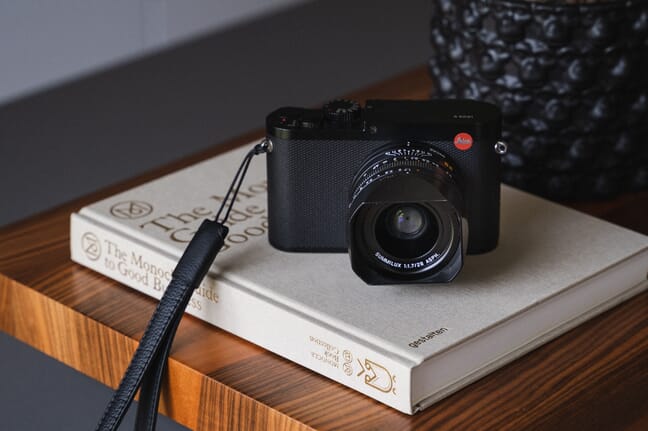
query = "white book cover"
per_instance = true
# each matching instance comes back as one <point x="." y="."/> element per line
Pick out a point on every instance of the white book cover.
<point x="404" y="345"/>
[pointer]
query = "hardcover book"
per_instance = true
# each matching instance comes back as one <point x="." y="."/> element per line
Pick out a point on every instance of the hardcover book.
<point x="404" y="345"/>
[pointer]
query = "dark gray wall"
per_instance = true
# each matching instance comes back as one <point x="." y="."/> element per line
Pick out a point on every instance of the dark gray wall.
<point x="77" y="138"/>
<point x="80" y="137"/>
<point x="40" y="44"/>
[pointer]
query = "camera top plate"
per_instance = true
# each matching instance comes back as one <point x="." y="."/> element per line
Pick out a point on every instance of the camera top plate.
<point x="343" y="119"/>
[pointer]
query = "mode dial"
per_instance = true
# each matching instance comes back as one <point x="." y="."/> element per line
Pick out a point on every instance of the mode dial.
<point x="341" y="111"/>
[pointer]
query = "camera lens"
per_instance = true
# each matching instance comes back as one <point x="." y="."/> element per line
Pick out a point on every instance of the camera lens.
<point x="407" y="231"/>
<point x="405" y="216"/>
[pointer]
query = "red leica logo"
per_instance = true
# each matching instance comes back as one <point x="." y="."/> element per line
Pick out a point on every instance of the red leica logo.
<point x="463" y="141"/>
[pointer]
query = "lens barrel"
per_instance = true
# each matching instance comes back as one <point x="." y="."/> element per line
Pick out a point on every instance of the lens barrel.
<point x="405" y="221"/>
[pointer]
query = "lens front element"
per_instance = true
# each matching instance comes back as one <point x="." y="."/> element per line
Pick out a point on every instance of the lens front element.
<point x="406" y="230"/>
<point x="406" y="222"/>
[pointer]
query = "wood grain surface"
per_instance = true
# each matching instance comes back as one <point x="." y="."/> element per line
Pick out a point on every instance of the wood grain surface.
<point x="593" y="377"/>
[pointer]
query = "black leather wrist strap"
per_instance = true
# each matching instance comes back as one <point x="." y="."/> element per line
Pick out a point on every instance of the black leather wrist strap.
<point x="152" y="385"/>
<point x="147" y="366"/>
<point x="157" y="339"/>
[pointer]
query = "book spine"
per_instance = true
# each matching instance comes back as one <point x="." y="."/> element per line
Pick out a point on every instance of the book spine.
<point x="248" y="315"/>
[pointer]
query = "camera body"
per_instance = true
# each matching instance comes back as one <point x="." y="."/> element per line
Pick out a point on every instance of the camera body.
<point x="324" y="160"/>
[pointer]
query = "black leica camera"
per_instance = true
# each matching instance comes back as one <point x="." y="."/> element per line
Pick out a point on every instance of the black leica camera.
<point x="406" y="187"/>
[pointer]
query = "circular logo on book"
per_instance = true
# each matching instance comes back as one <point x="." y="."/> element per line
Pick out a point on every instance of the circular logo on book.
<point x="131" y="210"/>
<point x="91" y="245"/>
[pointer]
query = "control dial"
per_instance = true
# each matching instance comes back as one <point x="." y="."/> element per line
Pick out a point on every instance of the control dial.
<point x="341" y="111"/>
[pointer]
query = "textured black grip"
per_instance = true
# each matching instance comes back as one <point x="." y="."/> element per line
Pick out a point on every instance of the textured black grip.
<point x="309" y="185"/>
<point x="308" y="191"/>
<point x="191" y="269"/>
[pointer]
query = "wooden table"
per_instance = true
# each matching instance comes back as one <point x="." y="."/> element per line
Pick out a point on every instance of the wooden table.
<point x="593" y="377"/>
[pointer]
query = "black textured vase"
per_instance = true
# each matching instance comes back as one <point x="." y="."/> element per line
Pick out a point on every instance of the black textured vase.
<point x="572" y="82"/>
